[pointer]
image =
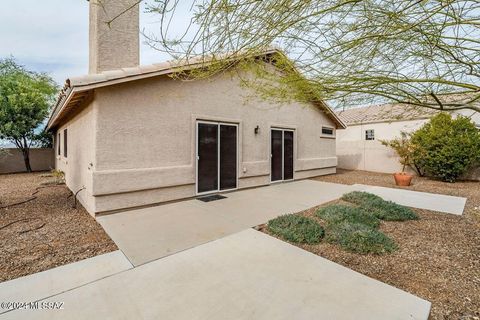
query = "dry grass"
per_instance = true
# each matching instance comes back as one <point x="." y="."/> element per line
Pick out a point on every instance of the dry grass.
<point x="46" y="232"/>
<point x="439" y="255"/>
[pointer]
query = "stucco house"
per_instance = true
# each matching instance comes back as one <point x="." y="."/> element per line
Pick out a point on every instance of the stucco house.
<point x="129" y="136"/>
<point x="359" y="146"/>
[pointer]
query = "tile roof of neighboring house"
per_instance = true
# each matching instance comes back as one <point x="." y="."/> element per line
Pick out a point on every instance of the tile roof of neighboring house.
<point x="384" y="113"/>
<point x="402" y="112"/>
<point x="78" y="89"/>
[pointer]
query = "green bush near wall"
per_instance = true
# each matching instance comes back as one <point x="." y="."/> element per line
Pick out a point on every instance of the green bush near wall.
<point x="446" y="148"/>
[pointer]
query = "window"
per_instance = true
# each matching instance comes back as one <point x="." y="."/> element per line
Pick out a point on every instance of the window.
<point x="58" y="144"/>
<point x="370" y="134"/>
<point x="327" y="131"/>
<point x="65" y="143"/>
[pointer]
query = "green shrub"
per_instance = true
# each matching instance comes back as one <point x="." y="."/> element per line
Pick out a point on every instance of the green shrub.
<point x="389" y="211"/>
<point x="405" y="150"/>
<point x="359" y="197"/>
<point x="296" y="229"/>
<point x="376" y="206"/>
<point x="359" y="238"/>
<point x="337" y="213"/>
<point x="445" y="147"/>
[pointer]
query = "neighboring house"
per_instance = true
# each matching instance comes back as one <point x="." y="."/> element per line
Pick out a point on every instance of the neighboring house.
<point x="359" y="146"/>
<point x="136" y="136"/>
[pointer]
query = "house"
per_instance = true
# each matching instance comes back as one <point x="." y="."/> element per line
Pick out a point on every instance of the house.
<point x="129" y="136"/>
<point x="359" y="146"/>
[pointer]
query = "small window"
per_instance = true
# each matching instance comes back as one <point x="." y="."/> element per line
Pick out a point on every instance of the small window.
<point x="58" y="144"/>
<point x="370" y="134"/>
<point x="65" y="143"/>
<point x="327" y="131"/>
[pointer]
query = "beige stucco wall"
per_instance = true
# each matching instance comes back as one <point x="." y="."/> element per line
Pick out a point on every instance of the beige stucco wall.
<point x="145" y="138"/>
<point x="356" y="153"/>
<point x="78" y="165"/>
<point x="40" y="160"/>
<point x="134" y="145"/>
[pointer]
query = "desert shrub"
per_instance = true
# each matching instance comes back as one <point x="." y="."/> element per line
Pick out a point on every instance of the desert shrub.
<point x="446" y="147"/>
<point x="359" y="197"/>
<point x="382" y="209"/>
<point x="359" y="238"/>
<point x="58" y="178"/>
<point x="337" y="213"/>
<point x="389" y="211"/>
<point x="296" y="229"/>
<point x="405" y="150"/>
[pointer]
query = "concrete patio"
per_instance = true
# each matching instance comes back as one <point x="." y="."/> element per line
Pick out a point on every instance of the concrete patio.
<point x="248" y="275"/>
<point x="202" y="260"/>
<point x="152" y="233"/>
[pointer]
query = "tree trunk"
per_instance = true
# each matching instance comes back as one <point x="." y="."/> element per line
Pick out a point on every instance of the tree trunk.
<point x="26" y="159"/>
<point x="419" y="170"/>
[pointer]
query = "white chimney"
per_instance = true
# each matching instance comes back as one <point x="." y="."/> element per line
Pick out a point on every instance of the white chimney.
<point x="114" y="34"/>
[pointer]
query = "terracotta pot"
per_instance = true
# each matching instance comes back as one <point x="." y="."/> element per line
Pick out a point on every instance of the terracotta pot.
<point x="403" y="179"/>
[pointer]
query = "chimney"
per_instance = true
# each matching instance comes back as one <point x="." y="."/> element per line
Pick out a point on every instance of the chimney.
<point x="114" y="35"/>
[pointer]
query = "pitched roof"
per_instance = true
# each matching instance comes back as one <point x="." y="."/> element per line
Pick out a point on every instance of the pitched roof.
<point x="385" y="113"/>
<point x="78" y="89"/>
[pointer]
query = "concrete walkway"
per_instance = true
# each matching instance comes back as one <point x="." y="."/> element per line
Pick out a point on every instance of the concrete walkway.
<point x="420" y="200"/>
<point x="152" y="233"/>
<point x="148" y="234"/>
<point x="248" y="275"/>
<point x="51" y="282"/>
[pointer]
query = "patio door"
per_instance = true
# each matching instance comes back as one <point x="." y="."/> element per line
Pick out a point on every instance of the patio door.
<point x="281" y="155"/>
<point x="216" y="157"/>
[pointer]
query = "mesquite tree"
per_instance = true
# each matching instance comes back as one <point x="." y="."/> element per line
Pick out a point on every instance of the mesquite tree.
<point x="25" y="98"/>
<point x="349" y="52"/>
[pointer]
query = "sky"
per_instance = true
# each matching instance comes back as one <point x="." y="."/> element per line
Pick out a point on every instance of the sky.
<point x="52" y="36"/>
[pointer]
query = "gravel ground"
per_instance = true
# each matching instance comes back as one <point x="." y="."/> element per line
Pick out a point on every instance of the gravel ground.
<point x="467" y="189"/>
<point x="46" y="232"/>
<point x="438" y="257"/>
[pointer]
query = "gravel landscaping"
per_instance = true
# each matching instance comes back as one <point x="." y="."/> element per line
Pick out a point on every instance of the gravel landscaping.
<point x="44" y="232"/>
<point x="438" y="255"/>
<point x="467" y="189"/>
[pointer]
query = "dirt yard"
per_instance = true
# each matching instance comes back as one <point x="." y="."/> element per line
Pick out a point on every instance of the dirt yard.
<point x="438" y="257"/>
<point x="45" y="232"/>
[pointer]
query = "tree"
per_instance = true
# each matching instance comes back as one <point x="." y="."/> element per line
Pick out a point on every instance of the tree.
<point x="446" y="147"/>
<point x="406" y="150"/>
<point x="25" y="98"/>
<point x="423" y="53"/>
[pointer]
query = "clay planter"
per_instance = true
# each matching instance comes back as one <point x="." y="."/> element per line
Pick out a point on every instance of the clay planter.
<point x="403" y="179"/>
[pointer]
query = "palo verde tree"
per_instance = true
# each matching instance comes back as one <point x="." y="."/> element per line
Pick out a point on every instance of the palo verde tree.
<point x="25" y="98"/>
<point x="423" y="53"/>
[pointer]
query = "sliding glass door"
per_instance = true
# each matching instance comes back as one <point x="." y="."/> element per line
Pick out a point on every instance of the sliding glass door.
<point x="216" y="156"/>
<point x="277" y="155"/>
<point x="282" y="151"/>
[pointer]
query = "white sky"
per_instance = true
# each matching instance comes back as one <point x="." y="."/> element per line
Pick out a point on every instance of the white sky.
<point x="52" y="36"/>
